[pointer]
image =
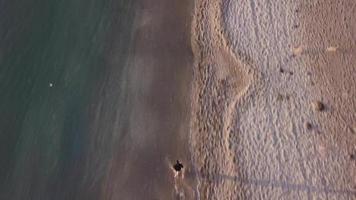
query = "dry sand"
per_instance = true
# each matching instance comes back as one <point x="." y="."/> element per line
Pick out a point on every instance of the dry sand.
<point x="260" y="67"/>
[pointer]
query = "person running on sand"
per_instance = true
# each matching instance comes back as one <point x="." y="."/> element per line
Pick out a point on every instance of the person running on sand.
<point x="177" y="168"/>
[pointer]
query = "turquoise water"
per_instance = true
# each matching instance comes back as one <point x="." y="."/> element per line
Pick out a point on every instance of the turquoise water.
<point x="56" y="79"/>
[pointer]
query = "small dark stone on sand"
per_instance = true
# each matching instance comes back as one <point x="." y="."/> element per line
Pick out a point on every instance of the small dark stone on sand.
<point x="308" y="125"/>
<point x="178" y="166"/>
<point x="295" y="26"/>
<point x="291" y="73"/>
<point x="318" y="106"/>
<point x="281" y="70"/>
<point x="352" y="156"/>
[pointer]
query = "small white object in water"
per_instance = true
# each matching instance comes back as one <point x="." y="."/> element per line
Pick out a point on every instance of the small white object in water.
<point x="50" y="84"/>
<point x="331" y="49"/>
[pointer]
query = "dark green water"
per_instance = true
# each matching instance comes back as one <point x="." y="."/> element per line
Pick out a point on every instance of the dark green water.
<point x="60" y="90"/>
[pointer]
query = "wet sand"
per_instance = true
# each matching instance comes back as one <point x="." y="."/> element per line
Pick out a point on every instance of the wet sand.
<point x="159" y="81"/>
<point x="260" y="66"/>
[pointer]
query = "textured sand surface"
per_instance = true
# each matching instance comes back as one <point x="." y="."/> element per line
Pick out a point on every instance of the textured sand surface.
<point x="260" y="68"/>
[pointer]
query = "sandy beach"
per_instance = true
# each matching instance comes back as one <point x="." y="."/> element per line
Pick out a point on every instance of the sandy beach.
<point x="255" y="98"/>
<point x="273" y="100"/>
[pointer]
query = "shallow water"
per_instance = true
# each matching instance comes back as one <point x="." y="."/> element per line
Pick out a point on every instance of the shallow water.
<point x="61" y="90"/>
